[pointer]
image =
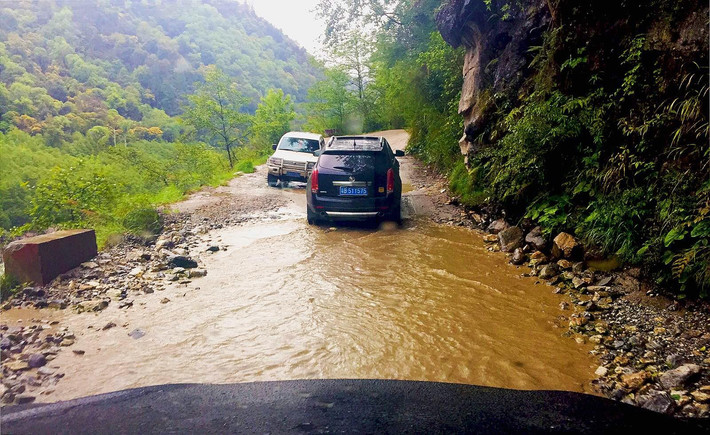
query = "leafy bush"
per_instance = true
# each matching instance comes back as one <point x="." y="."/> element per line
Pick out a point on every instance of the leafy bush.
<point x="142" y="221"/>
<point x="246" y="166"/>
<point x="8" y="286"/>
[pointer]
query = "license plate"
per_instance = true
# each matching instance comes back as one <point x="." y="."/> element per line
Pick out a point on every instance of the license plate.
<point x="293" y="174"/>
<point x="353" y="191"/>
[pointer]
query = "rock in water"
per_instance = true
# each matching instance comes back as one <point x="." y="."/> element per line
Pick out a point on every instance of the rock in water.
<point x="518" y="257"/>
<point x="510" y="239"/>
<point x="679" y="377"/>
<point x="549" y="271"/>
<point x="182" y="261"/>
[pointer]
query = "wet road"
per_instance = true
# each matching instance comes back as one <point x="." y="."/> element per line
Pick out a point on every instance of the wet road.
<point x="291" y="301"/>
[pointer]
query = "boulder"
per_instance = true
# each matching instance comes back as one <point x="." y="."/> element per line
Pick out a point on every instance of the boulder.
<point x="537" y="257"/>
<point x="182" y="261"/>
<point x="93" y="305"/>
<point x="497" y="226"/>
<point x="42" y="258"/>
<point x="657" y="401"/>
<point x="634" y="381"/>
<point x="510" y="239"/>
<point x="36" y="360"/>
<point x="678" y="377"/>
<point x="549" y="271"/>
<point x="565" y="245"/>
<point x="535" y="240"/>
<point x="518" y="257"/>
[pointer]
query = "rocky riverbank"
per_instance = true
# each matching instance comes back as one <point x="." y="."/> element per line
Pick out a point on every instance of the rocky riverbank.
<point x="654" y="351"/>
<point x="121" y="275"/>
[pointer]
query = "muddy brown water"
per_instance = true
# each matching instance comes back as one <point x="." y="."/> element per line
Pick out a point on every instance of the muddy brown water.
<point x="289" y="301"/>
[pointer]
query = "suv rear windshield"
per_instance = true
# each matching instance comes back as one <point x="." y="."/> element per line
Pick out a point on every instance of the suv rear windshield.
<point x="347" y="161"/>
<point x="299" y="144"/>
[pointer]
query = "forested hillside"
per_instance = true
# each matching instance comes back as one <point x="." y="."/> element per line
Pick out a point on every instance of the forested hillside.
<point x="91" y="95"/>
<point x="67" y="66"/>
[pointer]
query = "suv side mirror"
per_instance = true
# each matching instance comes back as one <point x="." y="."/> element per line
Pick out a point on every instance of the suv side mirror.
<point x="399" y="153"/>
<point x="317" y="152"/>
<point x="273" y="147"/>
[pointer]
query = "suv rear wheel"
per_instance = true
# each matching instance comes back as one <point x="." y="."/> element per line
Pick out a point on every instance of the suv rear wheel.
<point x="312" y="217"/>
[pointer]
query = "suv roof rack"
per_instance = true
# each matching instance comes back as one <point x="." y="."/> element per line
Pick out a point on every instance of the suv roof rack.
<point x="355" y="143"/>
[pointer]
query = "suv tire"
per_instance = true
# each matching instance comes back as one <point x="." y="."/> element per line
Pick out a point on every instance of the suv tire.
<point x="312" y="217"/>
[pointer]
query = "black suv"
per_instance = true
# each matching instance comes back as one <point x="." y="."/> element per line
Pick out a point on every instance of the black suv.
<point x="355" y="178"/>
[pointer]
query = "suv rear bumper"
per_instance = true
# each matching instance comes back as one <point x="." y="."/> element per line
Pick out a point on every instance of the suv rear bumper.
<point x="339" y="208"/>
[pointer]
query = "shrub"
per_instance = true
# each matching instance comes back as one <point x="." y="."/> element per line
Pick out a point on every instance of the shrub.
<point x="142" y="221"/>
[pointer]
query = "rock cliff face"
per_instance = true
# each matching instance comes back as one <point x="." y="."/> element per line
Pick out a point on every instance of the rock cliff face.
<point x="501" y="38"/>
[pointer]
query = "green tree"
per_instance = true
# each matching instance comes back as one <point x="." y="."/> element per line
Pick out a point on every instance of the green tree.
<point x="215" y="110"/>
<point x="272" y="118"/>
<point x="329" y="102"/>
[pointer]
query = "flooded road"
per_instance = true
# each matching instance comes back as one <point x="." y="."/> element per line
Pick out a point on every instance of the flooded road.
<point x="291" y="301"/>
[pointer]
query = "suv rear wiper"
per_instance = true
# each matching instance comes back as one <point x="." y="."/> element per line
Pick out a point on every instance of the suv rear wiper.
<point x="344" y="168"/>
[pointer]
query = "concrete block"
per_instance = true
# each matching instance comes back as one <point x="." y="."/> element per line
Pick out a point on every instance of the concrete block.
<point x="42" y="258"/>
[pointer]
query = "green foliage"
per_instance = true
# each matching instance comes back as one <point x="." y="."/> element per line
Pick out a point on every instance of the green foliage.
<point x="272" y="119"/>
<point x="142" y="221"/>
<point x="330" y="103"/>
<point x="215" y="111"/>
<point x="245" y="166"/>
<point x="8" y="287"/>
<point x="466" y="185"/>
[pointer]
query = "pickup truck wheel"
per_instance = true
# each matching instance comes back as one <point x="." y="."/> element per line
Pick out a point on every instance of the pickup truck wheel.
<point x="273" y="180"/>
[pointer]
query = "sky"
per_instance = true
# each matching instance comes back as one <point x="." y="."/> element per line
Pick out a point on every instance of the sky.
<point x="295" y="18"/>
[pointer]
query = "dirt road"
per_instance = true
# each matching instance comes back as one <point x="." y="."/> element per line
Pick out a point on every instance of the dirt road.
<point x="284" y="300"/>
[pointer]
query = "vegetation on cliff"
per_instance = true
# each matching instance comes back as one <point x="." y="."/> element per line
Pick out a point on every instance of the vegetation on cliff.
<point x="590" y="119"/>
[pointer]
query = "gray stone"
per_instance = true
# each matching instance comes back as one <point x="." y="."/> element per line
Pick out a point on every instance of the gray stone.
<point x="510" y="239"/>
<point x="196" y="273"/>
<point x="674" y="360"/>
<point x="182" y="261"/>
<point x="213" y="249"/>
<point x="549" y="271"/>
<point x="37" y="360"/>
<point x="518" y="257"/>
<point x="657" y="401"/>
<point x="678" y="377"/>
<point x="137" y="333"/>
<point x="95" y="305"/>
<point x="535" y="240"/>
<point x="497" y="226"/>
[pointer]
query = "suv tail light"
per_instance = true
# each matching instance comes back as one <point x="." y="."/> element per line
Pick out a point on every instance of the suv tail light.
<point x="390" y="181"/>
<point x="314" y="181"/>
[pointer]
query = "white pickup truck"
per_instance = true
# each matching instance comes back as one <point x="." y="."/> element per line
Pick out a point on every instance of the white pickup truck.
<point x="294" y="157"/>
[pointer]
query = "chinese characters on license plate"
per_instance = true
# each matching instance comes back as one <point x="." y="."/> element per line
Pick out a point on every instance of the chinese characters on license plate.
<point x="353" y="191"/>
